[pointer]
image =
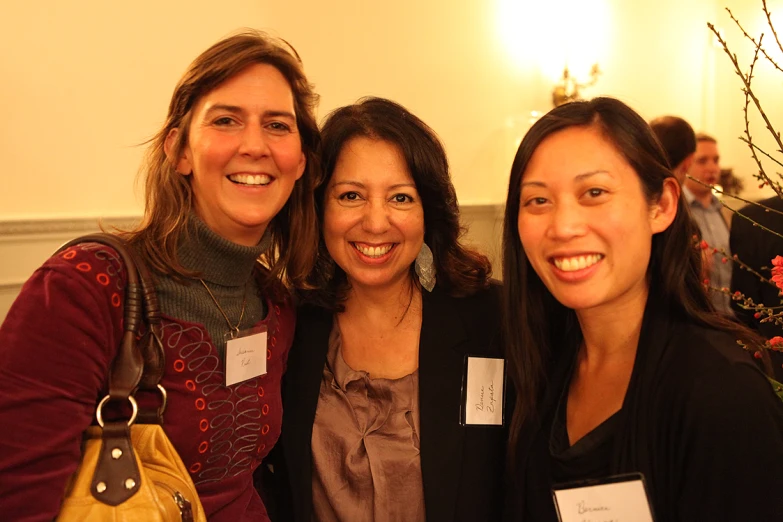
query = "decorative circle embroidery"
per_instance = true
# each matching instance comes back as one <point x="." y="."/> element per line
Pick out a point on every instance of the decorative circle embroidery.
<point x="261" y="449"/>
<point x="200" y="404"/>
<point x="268" y="354"/>
<point x="265" y="409"/>
<point x="202" y="448"/>
<point x="190" y="385"/>
<point x="273" y="341"/>
<point x="102" y="279"/>
<point x="83" y="267"/>
<point x="196" y="467"/>
<point x="260" y="391"/>
<point x="179" y="365"/>
<point x="265" y="429"/>
<point x="115" y="300"/>
<point x="203" y="425"/>
<point x="69" y="254"/>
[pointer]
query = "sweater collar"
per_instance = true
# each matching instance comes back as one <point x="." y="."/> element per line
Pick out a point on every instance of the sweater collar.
<point x="217" y="259"/>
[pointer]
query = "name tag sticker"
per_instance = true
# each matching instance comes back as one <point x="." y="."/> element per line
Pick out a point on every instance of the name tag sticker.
<point x="246" y="355"/>
<point x="483" y="392"/>
<point x="620" y="498"/>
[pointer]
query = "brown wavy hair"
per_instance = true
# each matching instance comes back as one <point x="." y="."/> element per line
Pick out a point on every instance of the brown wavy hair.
<point x="535" y="323"/>
<point x="459" y="270"/>
<point x="168" y="195"/>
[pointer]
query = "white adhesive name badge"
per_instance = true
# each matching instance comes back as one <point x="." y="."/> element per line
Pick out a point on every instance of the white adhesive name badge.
<point x="621" y="498"/>
<point x="246" y="355"/>
<point x="484" y="386"/>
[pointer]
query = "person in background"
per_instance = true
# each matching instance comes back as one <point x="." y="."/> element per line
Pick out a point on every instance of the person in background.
<point x="619" y="362"/>
<point x="229" y="181"/>
<point x="706" y="211"/>
<point x="678" y="140"/>
<point x="372" y="429"/>
<point x="756" y="247"/>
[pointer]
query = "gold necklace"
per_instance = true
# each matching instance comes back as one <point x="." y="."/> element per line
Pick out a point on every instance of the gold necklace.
<point x="234" y="329"/>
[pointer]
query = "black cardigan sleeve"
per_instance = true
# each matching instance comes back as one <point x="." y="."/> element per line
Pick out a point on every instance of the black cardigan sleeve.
<point x="731" y="448"/>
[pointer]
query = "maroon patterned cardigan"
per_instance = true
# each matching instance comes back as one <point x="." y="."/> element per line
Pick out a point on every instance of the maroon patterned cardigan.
<point x="56" y="346"/>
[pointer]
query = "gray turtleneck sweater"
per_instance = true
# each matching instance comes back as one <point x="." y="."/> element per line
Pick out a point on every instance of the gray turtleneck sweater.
<point x="227" y="269"/>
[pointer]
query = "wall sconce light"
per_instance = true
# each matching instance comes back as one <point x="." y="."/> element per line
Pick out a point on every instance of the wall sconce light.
<point x="568" y="88"/>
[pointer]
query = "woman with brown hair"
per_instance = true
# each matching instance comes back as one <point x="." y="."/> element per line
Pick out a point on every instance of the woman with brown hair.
<point x="229" y="184"/>
<point x="620" y="363"/>
<point x="385" y="347"/>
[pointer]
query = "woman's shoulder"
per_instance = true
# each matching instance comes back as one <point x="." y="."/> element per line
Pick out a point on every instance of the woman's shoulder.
<point x="712" y="349"/>
<point x="711" y="370"/>
<point x="94" y="264"/>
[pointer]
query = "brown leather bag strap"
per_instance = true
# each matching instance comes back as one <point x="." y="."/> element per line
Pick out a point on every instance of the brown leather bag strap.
<point x="137" y="364"/>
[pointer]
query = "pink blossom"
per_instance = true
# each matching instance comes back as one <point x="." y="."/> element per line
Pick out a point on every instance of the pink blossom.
<point x="777" y="272"/>
<point x="776" y="340"/>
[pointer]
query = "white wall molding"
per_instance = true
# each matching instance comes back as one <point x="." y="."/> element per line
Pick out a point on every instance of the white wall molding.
<point x="26" y="244"/>
<point x="12" y="230"/>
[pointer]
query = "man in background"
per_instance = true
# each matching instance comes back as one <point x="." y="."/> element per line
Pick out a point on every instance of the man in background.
<point x="678" y="141"/>
<point x="706" y="211"/>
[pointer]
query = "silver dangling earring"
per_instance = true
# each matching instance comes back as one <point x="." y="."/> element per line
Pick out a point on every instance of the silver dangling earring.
<point x="425" y="268"/>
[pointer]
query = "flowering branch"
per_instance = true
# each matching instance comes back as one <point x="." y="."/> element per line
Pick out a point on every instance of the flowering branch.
<point x="746" y="81"/>
<point x="769" y="22"/>
<point x="757" y="44"/>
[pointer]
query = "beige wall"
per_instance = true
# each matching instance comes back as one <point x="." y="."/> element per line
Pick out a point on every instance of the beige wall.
<point x="84" y="82"/>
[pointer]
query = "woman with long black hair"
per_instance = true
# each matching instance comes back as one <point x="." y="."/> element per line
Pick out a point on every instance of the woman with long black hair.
<point x="619" y="361"/>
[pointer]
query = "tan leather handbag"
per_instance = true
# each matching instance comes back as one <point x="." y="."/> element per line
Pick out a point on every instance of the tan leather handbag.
<point x="130" y="471"/>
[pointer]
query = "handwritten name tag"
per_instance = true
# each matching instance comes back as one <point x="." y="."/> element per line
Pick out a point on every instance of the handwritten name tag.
<point x="246" y="356"/>
<point x="621" y="498"/>
<point x="483" y="397"/>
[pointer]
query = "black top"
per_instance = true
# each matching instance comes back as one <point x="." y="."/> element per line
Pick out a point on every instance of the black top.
<point x="699" y="421"/>
<point x="589" y="457"/>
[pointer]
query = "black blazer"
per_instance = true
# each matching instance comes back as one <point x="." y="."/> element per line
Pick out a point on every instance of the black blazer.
<point x="756" y="248"/>
<point x="462" y="466"/>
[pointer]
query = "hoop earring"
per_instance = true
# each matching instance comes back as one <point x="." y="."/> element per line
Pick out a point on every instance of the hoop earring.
<point x="425" y="268"/>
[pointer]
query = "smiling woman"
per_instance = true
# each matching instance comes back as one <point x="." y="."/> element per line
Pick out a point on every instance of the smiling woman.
<point x="229" y="183"/>
<point x="585" y="223"/>
<point x="620" y="364"/>
<point x="373" y="216"/>
<point x="244" y="153"/>
<point x="371" y="428"/>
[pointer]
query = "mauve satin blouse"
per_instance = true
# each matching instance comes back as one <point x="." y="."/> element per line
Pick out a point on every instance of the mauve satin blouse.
<point x="366" y="463"/>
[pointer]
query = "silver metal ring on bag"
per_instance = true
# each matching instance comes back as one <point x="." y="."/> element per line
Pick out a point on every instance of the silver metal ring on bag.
<point x="99" y="410"/>
<point x="164" y="399"/>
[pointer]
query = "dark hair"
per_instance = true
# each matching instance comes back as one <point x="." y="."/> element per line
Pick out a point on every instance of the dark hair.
<point x="169" y="197"/>
<point x="705" y="137"/>
<point x="535" y="323"/>
<point x="676" y="136"/>
<point x="458" y="270"/>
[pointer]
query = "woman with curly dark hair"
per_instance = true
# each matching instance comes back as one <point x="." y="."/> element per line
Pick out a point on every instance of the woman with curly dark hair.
<point x="372" y="428"/>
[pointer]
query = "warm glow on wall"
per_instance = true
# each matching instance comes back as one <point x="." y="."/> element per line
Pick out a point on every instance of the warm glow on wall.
<point x="553" y="35"/>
